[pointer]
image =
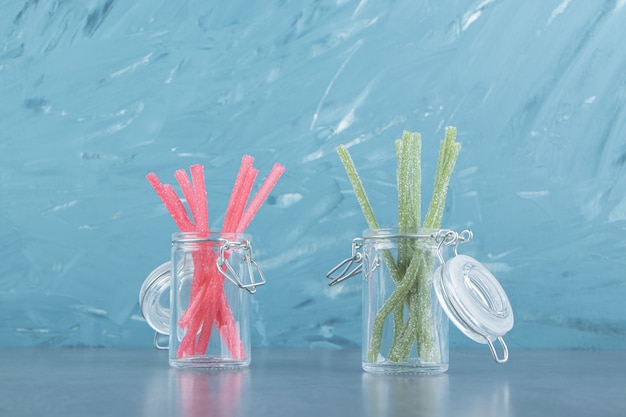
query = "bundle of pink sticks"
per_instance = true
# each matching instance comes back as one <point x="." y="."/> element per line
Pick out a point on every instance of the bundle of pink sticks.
<point x="208" y="306"/>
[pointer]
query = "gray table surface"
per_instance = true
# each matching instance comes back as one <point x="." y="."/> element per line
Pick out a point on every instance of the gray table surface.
<point x="320" y="383"/>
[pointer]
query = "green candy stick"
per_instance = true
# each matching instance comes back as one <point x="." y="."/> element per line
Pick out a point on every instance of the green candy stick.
<point x="357" y="186"/>
<point x="366" y="207"/>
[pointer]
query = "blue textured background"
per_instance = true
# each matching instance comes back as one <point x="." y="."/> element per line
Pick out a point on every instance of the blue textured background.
<point x="95" y="94"/>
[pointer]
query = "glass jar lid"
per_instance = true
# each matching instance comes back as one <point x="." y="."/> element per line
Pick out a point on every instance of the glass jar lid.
<point x="154" y="298"/>
<point x="474" y="301"/>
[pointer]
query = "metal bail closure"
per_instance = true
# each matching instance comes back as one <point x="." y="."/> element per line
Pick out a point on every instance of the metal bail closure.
<point x="344" y="266"/>
<point x="229" y="272"/>
<point x="475" y="302"/>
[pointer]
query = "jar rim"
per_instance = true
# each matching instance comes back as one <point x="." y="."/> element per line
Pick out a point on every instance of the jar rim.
<point x="397" y="232"/>
<point x="197" y="237"/>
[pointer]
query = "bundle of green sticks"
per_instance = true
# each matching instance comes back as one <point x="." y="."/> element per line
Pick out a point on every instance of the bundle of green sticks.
<point x="411" y="269"/>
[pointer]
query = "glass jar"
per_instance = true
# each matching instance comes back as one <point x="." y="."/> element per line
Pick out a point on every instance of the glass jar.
<point x="411" y="288"/>
<point x="404" y="327"/>
<point x="211" y="278"/>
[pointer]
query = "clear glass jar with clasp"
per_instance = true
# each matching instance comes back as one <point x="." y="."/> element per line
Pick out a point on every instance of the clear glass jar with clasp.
<point x="209" y="281"/>
<point x="411" y="287"/>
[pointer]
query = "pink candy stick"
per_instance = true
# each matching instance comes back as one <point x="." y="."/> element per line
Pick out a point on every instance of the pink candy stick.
<point x="236" y="194"/>
<point x="196" y="206"/>
<point x="260" y="196"/>
<point x="241" y="201"/>
<point x="201" y="214"/>
<point x="188" y="344"/>
<point x="195" y="304"/>
<point x="218" y="311"/>
<point x="228" y="329"/>
<point x="172" y="203"/>
<point x="239" y="197"/>
<point x="209" y="300"/>
<point x="192" y="320"/>
<point x="180" y="216"/>
<point x="218" y="308"/>
<point x="186" y="187"/>
<point x="214" y="300"/>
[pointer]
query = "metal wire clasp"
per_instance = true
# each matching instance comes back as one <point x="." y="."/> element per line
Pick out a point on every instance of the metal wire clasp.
<point x="344" y="266"/>
<point x="229" y="272"/>
<point x="450" y="237"/>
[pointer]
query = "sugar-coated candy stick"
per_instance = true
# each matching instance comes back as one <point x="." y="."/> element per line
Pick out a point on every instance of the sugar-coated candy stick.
<point x="210" y="298"/>
<point x="172" y="203"/>
<point x="228" y="329"/>
<point x="195" y="303"/>
<point x="239" y="196"/>
<point x="180" y="216"/>
<point x="259" y="198"/>
<point x="240" y="201"/>
<point x="357" y="186"/>
<point x="201" y="215"/>
<point x="218" y="311"/>
<point x="236" y="193"/>
<point x="193" y="203"/>
<point x="187" y="189"/>
<point x="195" y="194"/>
<point x="192" y="320"/>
